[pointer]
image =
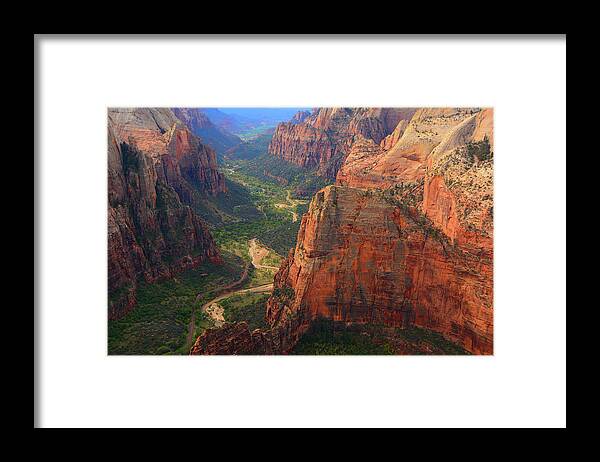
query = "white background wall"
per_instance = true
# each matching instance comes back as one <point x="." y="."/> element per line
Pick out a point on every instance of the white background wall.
<point x="523" y="384"/>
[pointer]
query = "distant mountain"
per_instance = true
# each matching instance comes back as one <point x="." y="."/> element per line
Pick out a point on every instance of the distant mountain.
<point x="222" y="120"/>
<point x="217" y="137"/>
<point x="248" y="122"/>
<point x="264" y="115"/>
<point x="251" y="148"/>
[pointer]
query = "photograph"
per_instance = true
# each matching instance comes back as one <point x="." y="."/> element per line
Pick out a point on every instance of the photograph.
<point x="301" y="231"/>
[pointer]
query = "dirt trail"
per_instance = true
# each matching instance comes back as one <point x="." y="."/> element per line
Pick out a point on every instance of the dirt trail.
<point x="292" y="203"/>
<point x="212" y="307"/>
<point x="257" y="253"/>
<point x="225" y="291"/>
<point x="215" y="311"/>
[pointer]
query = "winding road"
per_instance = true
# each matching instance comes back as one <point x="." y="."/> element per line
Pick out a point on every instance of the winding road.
<point x="212" y="307"/>
<point x="257" y="253"/>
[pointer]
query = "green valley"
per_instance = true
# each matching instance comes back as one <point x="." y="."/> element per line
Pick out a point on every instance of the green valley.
<point x="254" y="225"/>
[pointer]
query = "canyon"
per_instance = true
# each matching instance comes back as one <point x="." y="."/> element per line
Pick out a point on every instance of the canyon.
<point x="156" y="167"/>
<point x="210" y="134"/>
<point x="403" y="238"/>
<point x="395" y="241"/>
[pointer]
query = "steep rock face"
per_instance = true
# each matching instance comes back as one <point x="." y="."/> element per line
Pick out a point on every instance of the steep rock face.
<point x="406" y="236"/>
<point x="373" y="164"/>
<point x="153" y="162"/>
<point x="299" y="117"/>
<point x="363" y="257"/>
<point x="323" y="140"/>
<point x="389" y="141"/>
<point x="237" y="339"/>
<point x="458" y="186"/>
<point x="200" y="125"/>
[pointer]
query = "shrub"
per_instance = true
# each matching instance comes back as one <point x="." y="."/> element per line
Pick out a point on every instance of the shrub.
<point x="480" y="150"/>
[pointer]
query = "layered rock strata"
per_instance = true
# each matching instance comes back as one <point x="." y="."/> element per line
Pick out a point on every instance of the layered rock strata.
<point x="210" y="134"/>
<point x="406" y="235"/>
<point x="364" y="257"/>
<point x="237" y="339"/>
<point x="155" y="166"/>
<point x="322" y="140"/>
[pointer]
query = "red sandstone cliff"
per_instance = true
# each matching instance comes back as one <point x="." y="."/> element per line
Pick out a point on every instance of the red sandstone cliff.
<point x="155" y="165"/>
<point x="323" y="139"/>
<point x="364" y="258"/>
<point x="210" y="134"/>
<point x="300" y="117"/>
<point x="406" y="235"/>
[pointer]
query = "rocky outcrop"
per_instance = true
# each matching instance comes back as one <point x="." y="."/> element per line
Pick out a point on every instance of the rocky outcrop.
<point x="458" y="186"/>
<point x="200" y="125"/>
<point x="155" y="165"/>
<point x="322" y="140"/>
<point x="299" y="117"/>
<point x="237" y="339"/>
<point x="406" y="235"/>
<point x="363" y="257"/>
<point x="372" y="164"/>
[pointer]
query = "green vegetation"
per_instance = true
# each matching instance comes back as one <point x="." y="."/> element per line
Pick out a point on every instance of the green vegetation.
<point x="251" y="208"/>
<point x="271" y="169"/>
<point x="276" y="234"/>
<point x="233" y="206"/>
<point x="425" y="341"/>
<point x="250" y="148"/>
<point x="159" y="323"/>
<point x="118" y="293"/>
<point x="480" y="150"/>
<point x="274" y="227"/>
<point x="259" y="277"/>
<point x="247" y="307"/>
<point x="343" y="343"/>
<point x="272" y="259"/>
<point x="284" y="292"/>
<point x="322" y="339"/>
<point x="250" y="133"/>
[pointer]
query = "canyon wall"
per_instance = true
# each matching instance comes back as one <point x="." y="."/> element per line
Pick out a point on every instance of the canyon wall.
<point x="237" y="339"/>
<point x="364" y="257"/>
<point x="156" y="166"/>
<point x="210" y="134"/>
<point x="322" y="140"/>
<point x="405" y="237"/>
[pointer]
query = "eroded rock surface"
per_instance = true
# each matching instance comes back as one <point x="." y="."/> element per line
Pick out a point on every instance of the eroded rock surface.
<point x="200" y="125"/>
<point x="362" y="257"/>
<point x="322" y="140"/>
<point x="406" y="235"/>
<point x="155" y="168"/>
<point x="237" y="339"/>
